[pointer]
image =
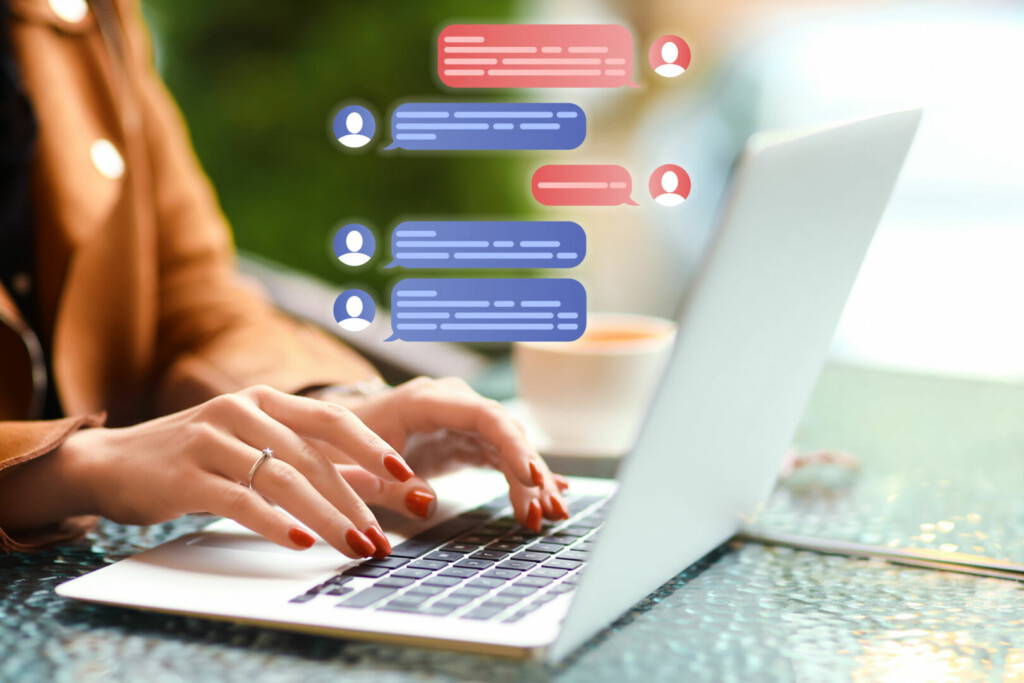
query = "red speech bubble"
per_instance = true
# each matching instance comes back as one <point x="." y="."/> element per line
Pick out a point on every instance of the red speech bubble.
<point x="582" y="185"/>
<point x="535" y="56"/>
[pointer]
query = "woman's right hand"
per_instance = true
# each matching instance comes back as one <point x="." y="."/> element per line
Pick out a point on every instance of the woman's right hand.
<point x="198" y="460"/>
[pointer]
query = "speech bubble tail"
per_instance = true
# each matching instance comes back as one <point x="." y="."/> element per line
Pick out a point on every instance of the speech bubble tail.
<point x="393" y="337"/>
<point x="393" y="264"/>
<point x="629" y="201"/>
<point x="393" y="145"/>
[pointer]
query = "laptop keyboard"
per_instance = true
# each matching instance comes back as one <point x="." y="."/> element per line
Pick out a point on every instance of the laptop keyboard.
<point x="477" y="565"/>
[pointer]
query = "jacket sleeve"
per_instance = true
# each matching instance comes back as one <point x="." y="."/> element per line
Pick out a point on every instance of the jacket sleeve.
<point x="216" y="334"/>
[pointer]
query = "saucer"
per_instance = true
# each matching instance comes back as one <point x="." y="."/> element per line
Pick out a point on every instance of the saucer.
<point x="546" y="446"/>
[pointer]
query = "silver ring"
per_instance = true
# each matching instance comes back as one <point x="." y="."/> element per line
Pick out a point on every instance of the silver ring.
<point x="265" y="455"/>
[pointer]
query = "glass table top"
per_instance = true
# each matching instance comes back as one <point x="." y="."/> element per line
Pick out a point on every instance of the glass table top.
<point x="942" y="464"/>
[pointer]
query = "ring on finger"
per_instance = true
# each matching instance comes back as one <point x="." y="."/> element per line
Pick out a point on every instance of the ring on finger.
<point x="265" y="455"/>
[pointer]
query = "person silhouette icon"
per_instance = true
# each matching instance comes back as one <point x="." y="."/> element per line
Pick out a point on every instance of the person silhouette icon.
<point x="354" y="126"/>
<point x="669" y="185"/>
<point x="669" y="56"/>
<point x="354" y="310"/>
<point x="354" y="244"/>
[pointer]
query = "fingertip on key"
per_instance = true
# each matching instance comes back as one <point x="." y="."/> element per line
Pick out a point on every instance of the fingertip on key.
<point x="397" y="467"/>
<point x="420" y="502"/>
<point x="382" y="547"/>
<point x="359" y="543"/>
<point x="533" y="516"/>
<point x="300" y="538"/>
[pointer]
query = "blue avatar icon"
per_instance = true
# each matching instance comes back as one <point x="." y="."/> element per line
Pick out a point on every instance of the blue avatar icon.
<point x="354" y="310"/>
<point x="354" y="126"/>
<point x="354" y="244"/>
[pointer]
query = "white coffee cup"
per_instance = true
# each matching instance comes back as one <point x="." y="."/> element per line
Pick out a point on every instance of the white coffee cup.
<point x="589" y="396"/>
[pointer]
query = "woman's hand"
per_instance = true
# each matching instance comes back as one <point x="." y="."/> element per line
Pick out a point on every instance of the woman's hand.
<point x="442" y="424"/>
<point x="194" y="461"/>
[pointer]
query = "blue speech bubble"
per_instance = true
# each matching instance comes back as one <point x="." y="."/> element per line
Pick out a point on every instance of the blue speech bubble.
<point x="487" y="125"/>
<point x="488" y="310"/>
<point x="488" y="244"/>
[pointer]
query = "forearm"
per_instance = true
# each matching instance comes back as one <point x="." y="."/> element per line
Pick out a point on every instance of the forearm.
<point x="45" y="490"/>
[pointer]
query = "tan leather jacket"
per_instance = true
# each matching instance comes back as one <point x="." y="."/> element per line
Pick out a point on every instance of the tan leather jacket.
<point x="134" y="269"/>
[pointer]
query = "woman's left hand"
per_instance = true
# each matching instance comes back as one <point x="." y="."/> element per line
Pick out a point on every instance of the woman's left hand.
<point x="440" y="425"/>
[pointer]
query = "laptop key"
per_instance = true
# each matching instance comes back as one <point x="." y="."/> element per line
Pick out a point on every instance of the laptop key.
<point x="533" y="581"/>
<point x="407" y="601"/>
<point x="560" y="588"/>
<point x="441" y="581"/>
<point x="503" y="574"/>
<point x="589" y="522"/>
<point x="505" y="547"/>
<point x="368" y="572"/>
<point x="434" y="536"/>
<point x="408" y="573"/>
<point x="518" y="591"/>
<point x="425" y="590"/>
<point x="413" y="548"/>
<point x="486" y="583"/>
<point x="459" y="573"/>
<point x="392" y="582"/>
<point x="455" y="603"/>
<point x="528" y="556"/>
<point x="442" y="556"/>
<point x="461" y="548"/>
<point x="501" y="601"/>
<point x="475" y="539"/>
<point x="560" y="540"/>
<point x="468" y="592"/>
<point x="581" y="503"/>
<point x="548" y="573"/>
<point x="472" y="563"/>
<point x="428" y="564"/>
<point x="482" y="612"/>
<point x="573" y="555"/>
<point x="520" y="538"/>
<point x="575" y="530"/>
<point x="305" y="597"/>
<point x="386" y="562"/>
<point x="516" y="565"/>
<point x="492" y="555"/>
<point x="338" y="591"/>
<point x="560" y="563"/>
<point x="367" y="597"/>
<point x="546" y="548"/>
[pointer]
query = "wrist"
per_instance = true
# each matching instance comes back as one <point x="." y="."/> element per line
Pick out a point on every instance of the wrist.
<point x="78" y="464"/>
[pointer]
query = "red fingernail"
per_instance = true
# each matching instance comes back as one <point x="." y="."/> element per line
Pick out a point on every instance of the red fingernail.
<point x="538" y="478"/>
<point x="561" y="482"/>
<point x="398" y="467"/>
<point x="558" y="508"/>
<point x="301" y="538"/>
<point x="359" y="543"/>
<point x="419" y="502"/>
<point x="383" y="547"/>
<point x="533" y="516"/>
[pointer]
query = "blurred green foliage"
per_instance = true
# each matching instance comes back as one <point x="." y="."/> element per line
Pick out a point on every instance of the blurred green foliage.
<point x="257" y="83"/>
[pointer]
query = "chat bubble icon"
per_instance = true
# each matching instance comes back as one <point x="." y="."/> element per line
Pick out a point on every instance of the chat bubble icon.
<point x="535" y="56"/>
<point x="582" y="185"/>
<point x="488" y="309"/>
<point x="487" y="125"/>
<point x="488" y="244"/>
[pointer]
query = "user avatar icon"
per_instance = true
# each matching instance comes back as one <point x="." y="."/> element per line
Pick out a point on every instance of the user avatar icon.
<point x="354" y="126"/>
<point x="354" y="244"/>
<point x="669" y="56"/>
<point x="354" y="310"/>
<point x="669" y="185"/>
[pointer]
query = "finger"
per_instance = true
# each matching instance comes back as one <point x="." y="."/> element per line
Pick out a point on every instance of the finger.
<point x="225" y="498"/>
<point x="561" y="482"/>
<point x="287" y="487"/>
<point x="336" y="425"/>
<point x="414" y="498"/>
<point x="433" y="409"/>
<point x="312" y="458"/>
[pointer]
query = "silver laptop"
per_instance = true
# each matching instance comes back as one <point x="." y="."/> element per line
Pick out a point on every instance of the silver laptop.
<point x="752" y="338"/>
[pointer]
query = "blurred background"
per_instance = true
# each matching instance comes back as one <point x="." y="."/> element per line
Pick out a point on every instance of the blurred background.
<point x="941" y="289"/>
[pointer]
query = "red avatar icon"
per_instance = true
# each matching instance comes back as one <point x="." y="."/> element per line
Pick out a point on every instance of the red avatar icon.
<point x="669" y="56"/>
<point x="669" y="185"/>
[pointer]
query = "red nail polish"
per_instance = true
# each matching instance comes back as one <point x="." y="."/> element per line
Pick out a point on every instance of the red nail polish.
<point x="398" y="468"/>
<point x="301" y="538"/>
<point x="360" y="543"/>
<point x="419" y="502"/>
<point x="383" y="546"/>
<point x="533" y="516"/>
<point x="558" y="508"/>
<point x="538" y="478"/>
<point x="561" y="482"/>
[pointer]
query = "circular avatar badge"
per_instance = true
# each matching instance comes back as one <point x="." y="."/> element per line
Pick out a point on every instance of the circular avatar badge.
<point x="354" y="244"/>
<point x="354" y="310"/>
<point x="669" y="185"/>
<point x="669" y="56"/>
<point x="354" y="126"/>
